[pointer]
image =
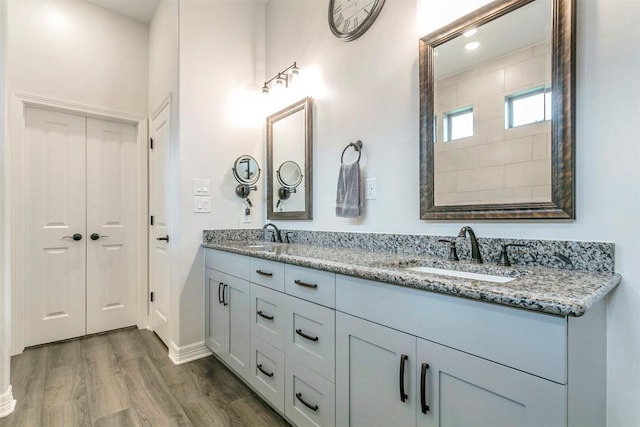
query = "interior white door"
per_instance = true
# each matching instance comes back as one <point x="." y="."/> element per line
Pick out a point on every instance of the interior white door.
<point x="55" y="213"/>
<point x="159" y="158"/>
<point x="112" y="264"/>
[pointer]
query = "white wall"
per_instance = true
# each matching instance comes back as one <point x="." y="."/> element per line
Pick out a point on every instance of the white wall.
<point x="75" y="51"/>
<point x="6" y="404"/>
<point x="368" y="89"/>
<point x="221" y="56"/>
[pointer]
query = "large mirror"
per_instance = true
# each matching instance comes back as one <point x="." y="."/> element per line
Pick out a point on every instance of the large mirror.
<point x="289" y="162"/>
<point x="497" y="113"/>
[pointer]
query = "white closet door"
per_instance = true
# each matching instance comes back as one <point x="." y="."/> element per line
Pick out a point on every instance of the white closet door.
<point x="112" y="265"/>
<point x="55" y="211"/>
<point x="160" y="133"/>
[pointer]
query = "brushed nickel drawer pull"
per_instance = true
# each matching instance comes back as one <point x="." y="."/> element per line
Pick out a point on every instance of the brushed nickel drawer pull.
<point x="312" y="407"/>
<point x="305" y="284"/>
<point x="264" y="273"/>
<point x="309" y="337"/>
<point x="269" y="374"/>
<point x="264" y="316"/>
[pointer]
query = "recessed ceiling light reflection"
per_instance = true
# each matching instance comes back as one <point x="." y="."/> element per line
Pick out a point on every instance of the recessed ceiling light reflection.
<point x="472" y="45"/>
<point x="470" y="32"/>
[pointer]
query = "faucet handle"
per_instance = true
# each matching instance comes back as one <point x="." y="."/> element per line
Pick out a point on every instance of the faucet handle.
<point x="453" y="252"/>
<point x="286" y="236"/>
<point x="503" y="259"/>
<point x="273" y="235"/>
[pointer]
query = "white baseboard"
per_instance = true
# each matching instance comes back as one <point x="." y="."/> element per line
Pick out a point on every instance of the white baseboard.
<point x="7" y="403"/>
<point x="188" y="353"/>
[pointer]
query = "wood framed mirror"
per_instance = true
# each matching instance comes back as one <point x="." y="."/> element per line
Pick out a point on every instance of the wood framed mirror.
<point x="497" y="107"/>
<point x="290" y="161"/>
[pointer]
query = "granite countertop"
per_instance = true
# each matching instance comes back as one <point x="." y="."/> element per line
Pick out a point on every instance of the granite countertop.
<point x="561" y="292"/>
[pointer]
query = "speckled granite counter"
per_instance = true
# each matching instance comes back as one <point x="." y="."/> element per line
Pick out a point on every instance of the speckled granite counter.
<point x="553" y="291"/>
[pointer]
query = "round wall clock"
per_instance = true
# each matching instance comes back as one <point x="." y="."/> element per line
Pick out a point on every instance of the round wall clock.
<point x="349" y="19"/>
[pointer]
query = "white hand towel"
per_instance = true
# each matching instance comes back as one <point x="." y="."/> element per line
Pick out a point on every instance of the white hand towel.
<point x="348" y="198"/>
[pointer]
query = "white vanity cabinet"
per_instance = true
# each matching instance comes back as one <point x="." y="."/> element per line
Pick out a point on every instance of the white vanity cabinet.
<point x="327" y="349"/>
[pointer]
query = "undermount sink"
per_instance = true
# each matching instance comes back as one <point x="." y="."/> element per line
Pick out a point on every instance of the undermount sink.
<point x="462" y="274"/>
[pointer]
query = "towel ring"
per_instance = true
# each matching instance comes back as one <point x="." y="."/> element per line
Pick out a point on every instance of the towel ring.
<point x="356" y="146"/>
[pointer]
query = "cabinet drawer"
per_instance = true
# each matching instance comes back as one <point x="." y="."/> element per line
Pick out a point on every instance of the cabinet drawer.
<point x="313" y="285"/>
<point x="268" y="273"/>
<point x="267" y="371"/>
<point x="227" y="262"/>
<point x="310" y="335"/>
<point x="268" y="315"/>
<point x="310" y="399"/>
<point x="525" y="340"/>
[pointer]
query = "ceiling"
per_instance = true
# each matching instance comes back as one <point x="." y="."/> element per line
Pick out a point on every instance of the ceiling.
<point x="139" y="10"/>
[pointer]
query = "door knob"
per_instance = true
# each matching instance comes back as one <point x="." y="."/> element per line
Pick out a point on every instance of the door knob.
<point x="75" y="237"/>
<point x="96" y="236"/>
<point x="165" y="238"/>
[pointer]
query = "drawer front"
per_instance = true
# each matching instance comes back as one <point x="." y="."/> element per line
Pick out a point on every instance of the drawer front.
<point x="309" y="284"/>
<point x="267" y="371"/>
<point x="310" y="399"/>
<point x="525" y="340"/>
<point x="268" y="315"/>
<point x="310" y="335"/>
<point x="227" y="262"/>
<point x="268" y="273"/>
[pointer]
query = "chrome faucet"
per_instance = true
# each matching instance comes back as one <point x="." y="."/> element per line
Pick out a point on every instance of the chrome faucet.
<point x="276" y="233"/>
<point x="476" y="256"/>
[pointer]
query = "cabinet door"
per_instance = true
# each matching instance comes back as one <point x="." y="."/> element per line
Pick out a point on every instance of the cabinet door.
<point x="238" y="298"/>
<point x="217" y="313"/>
<point x="370" y="359"/>
<point x="464" y="390"/>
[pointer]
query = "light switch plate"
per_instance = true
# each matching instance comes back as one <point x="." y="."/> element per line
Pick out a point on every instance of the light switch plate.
<point x="202" y="204"/>
<point x="201" y="187"/>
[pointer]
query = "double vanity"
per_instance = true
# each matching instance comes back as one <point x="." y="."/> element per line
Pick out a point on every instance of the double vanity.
<point x="355" y="336"/>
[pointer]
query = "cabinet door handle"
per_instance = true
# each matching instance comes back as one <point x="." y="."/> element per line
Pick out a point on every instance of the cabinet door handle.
<point x="220" y="286"/>
<point x="403" y="360"/>
<point x="424" y="388"/>
<point x="305" y="284"/>
<point x="269" y="374"/>
<point x="312" y="407"/>
<point x="309" y="337"/>
<point x="264" y="316"/>
<point x="264" y="273"/>
<point x="75" y="237"/>
<point x="224" y="299"/>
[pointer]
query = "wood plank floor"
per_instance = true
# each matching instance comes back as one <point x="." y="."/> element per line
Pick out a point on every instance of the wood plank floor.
<point x="125" y="378"/>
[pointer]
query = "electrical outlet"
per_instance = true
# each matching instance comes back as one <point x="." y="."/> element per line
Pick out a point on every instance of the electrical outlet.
<point x="201" y="187"/>
<point x="202" y="204"/>
<point x="246" y="214"/>
<point x="371" y="188"/>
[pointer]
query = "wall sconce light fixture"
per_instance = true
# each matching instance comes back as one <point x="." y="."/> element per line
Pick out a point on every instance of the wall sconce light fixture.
<point x="282" y="79"/>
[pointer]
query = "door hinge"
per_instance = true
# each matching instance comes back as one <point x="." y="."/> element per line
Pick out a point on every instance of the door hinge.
<point x="151" y="143"/>
<point x="151" y="296"/>
<point x="151" y="220"/>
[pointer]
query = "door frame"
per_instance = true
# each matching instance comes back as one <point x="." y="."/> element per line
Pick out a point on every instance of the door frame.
<point x="17" y="194"/>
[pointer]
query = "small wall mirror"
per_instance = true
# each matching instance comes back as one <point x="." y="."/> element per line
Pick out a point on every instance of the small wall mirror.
<point x="289" y="162"/>
<point x="497" y="113"/>
<point x="289" y="177"/>
<point x="247" y="172"/>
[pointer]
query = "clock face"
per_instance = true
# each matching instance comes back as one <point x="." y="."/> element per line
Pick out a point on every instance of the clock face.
<point x="349" y="19"/>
